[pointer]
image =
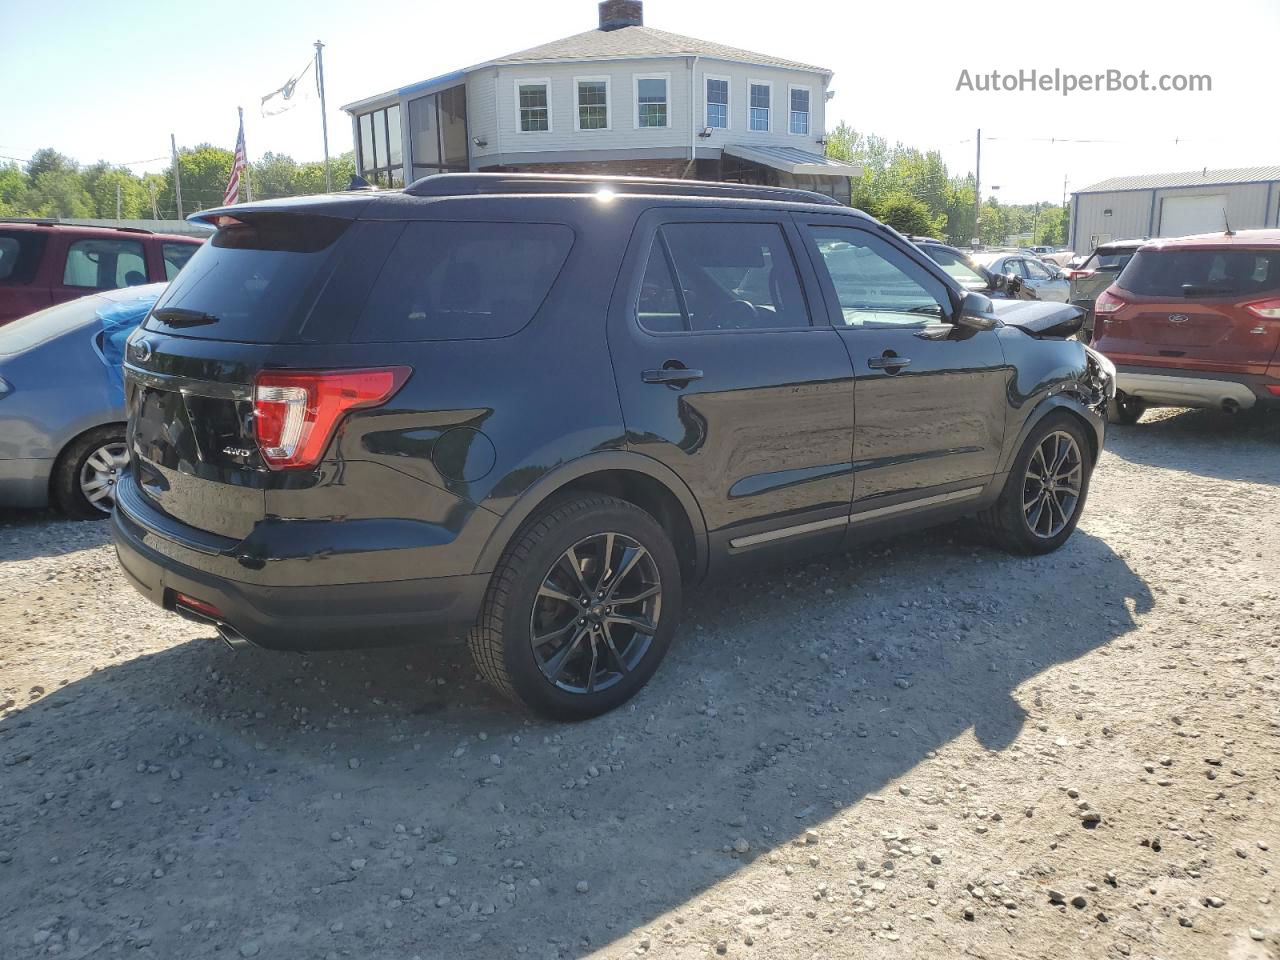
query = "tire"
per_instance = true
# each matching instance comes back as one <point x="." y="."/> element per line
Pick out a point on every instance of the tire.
<point x="71" y="483"/>
<point x="1126" y="410"/>
<point x="524" y="602"/>
<point x="1010" y="526"/>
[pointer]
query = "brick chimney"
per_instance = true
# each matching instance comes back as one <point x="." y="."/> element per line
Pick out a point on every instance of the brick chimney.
<point x="615" y="14"/>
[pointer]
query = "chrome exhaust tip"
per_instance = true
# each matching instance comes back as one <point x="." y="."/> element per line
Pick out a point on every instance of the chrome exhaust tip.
<point x="232" y="637"/>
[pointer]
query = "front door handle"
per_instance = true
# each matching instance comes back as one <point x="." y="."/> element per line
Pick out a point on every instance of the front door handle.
<point x="673" y="372"/>
<point x="887" y="363"/>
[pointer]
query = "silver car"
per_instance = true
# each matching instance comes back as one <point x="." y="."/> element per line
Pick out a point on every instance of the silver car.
<point x="1046" y="281"/>
<point x="62" y="403"/>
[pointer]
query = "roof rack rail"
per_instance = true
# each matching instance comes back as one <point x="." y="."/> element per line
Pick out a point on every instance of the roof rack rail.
<point x="464" y="184"/>
<point x="59" y="222"/>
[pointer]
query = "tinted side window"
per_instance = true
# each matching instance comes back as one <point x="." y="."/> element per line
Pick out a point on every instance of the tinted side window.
<point x="734" y="276"/>
<point x="463" y="281"/>
<point x="104" y="264"/>
<point x="176" y="256"/>
<point x="877" y="285"/>
<point x="19" y="256"/>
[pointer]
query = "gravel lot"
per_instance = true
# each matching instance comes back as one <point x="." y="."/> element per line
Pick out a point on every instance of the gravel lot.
<point x="920" y="749"/>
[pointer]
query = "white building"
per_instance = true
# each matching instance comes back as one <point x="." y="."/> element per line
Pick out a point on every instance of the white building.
<point x="1174" y="205"/>
<point x="620" y="99"/>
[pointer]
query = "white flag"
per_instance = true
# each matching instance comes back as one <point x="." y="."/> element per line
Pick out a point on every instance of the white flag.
<point x="278" y="101"/>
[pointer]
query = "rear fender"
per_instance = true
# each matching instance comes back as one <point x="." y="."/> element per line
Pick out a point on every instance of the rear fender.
<point x="596" y="463"/>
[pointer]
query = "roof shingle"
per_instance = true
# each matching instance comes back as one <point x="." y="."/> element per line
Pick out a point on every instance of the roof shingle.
<point x="1190" y="178"/>
<point x="639" y="41"/>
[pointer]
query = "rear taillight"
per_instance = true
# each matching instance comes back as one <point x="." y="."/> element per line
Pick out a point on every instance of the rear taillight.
<point x="1079" y="274"/>
<point x="1107" y="303"/>
<point x="296" y="412"/>
<point x="1267" y="309"/>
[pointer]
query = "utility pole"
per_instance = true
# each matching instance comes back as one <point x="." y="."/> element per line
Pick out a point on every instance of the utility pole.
<point x="117" y="202"/>
<point x="977" y="194"/>
<point x="324" y="119"/>
<point x="177" y="176"/>
<point x="151" y="189"/>
<point x="1064" y="191"/>
<point x="1035" y="223"/>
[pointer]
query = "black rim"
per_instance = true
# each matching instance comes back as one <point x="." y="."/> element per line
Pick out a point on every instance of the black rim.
<point x="596" y="613"/>
<point x="1051" y="490"/>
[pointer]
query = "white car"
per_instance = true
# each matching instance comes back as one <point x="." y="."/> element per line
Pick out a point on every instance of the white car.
<point x="1045" y="280"/>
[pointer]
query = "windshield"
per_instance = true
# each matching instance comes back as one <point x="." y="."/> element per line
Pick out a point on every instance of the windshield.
<point x="957" y="267"/>
<point x="1202" y="273"/>
<point x="37" y="328"/>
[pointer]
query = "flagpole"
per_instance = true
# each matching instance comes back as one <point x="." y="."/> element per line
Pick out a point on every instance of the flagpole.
<point x="248" y="181"/>
<point x="324" y="120"/>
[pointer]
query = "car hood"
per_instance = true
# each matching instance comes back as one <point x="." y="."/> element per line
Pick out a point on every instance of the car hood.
<point x="1040" y="318"/>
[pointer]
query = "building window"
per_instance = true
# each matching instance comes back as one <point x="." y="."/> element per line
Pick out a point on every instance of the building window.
<point x="651" y="100"/>
<point x="593" y="103"/>
<point x="381" y="150"/>
<point x="800" y="110"/>
<point x="718" y="103"/>
<point x="760" y="96"/>
<point x="438" y="132"/>
<point x="534" y="103"/>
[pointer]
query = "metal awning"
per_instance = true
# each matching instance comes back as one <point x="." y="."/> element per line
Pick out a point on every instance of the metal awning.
<point x="793" y="160"/>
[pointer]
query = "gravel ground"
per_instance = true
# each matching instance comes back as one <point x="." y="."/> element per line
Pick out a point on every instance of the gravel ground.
<point x="918" y="749"/>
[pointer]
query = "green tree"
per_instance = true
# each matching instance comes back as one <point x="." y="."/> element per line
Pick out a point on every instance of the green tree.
<point x="205" y="170"/>
<point x="58" y="193"/>
<point x="49" y="160"/>
<point x="135" y="202"/>
<point x="13" y="188"/>
<point x="910" y="215"/>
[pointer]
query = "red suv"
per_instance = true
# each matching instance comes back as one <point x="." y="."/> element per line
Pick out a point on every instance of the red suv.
<point x="43" y="262"/>
<point x="1195" y="322"/>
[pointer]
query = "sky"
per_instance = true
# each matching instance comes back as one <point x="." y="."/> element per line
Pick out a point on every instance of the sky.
<point x="114" y="87"/>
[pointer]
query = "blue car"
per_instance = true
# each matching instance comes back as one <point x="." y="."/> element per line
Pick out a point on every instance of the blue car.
<point x="62" y="402"/>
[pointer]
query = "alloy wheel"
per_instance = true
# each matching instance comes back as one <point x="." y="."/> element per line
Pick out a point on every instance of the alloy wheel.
<point x="101" y="473"/>
<point x="596" y="613"/>
<point x="1051" y="488"/>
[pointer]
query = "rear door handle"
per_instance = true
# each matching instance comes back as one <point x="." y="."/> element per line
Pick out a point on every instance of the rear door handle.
<point x="887" y="363"/>
<point x="671" y="375"/>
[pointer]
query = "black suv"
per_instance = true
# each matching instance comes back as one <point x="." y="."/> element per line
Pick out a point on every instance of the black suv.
<point x="534" y="410"/>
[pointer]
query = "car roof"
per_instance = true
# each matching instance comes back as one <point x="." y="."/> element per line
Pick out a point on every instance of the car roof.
<point x="1217" y="241"/>
<point x="462" y="187"/>
<point x="36" y="225"/>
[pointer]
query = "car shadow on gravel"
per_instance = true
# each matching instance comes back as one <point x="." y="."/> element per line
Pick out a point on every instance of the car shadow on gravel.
<point x="25" y="534"/>
<point x="1242" y="446"/>
<point x="385" y="803"/>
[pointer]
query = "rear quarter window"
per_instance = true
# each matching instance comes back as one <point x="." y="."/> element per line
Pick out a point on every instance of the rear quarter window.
<point x="20" y="253"/>
<point x="461" y="280"/>
<point x="1202" y="273"/>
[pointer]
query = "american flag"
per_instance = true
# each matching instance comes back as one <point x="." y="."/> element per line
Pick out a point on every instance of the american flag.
<point x="233" y="185"/>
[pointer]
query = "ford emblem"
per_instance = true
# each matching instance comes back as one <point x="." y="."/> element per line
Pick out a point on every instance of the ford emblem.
<point x="1178" y="318"/>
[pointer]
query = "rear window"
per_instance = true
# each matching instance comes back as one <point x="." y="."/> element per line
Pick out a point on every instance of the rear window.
<point x="176" y="256"/>
<point x="1202" y="273"/>
<point x="1109" y="260"/>
<point x="451" y="280"/>
<point x="19" y="255"/>
<point x="254" y="281"/>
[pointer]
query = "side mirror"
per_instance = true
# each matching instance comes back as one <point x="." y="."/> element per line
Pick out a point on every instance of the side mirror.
<point x="976" y="313"/>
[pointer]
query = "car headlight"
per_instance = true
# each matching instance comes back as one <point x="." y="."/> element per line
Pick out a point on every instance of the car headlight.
<point x="1106" y="369"/>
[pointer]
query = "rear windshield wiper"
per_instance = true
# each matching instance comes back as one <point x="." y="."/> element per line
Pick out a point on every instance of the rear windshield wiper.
<point x="178" y="317"/>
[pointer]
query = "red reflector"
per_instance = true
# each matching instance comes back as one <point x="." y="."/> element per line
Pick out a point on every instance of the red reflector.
<point x="296" y="412"/>
<point x="1273" y="389"/>
<point x="199" y="606"/>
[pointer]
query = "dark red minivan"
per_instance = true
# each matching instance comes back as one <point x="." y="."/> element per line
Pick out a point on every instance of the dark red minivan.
<point x="43" y="262"/>
<point x="1195" y="322"/>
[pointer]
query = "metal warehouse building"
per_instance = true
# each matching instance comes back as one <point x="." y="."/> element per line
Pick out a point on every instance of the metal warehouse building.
<point x="1175" y="205"/>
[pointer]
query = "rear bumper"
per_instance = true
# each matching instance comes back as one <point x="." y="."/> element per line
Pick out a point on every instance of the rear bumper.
<point x="1185" y="388"/>
<point x="309" y="617"/>
<point x="25" y="483"/>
